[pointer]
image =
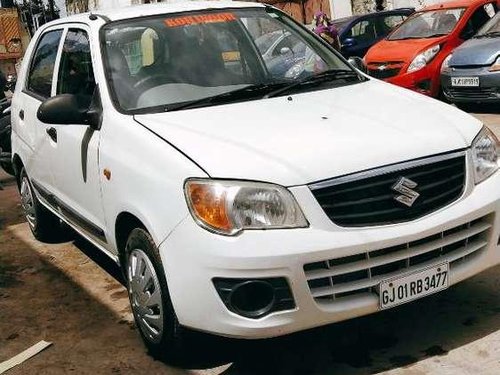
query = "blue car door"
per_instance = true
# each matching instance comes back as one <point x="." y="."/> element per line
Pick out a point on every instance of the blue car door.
<point x="359" y="38"/>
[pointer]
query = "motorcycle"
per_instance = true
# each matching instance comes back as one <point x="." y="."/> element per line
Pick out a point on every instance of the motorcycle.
<point x="11" y="82"/>
<point x="5" y="134"/>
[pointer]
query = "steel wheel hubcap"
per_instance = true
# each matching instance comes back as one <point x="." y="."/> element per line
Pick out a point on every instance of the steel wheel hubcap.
<point x="145" y="295"/>
<point x="27" y="202"/>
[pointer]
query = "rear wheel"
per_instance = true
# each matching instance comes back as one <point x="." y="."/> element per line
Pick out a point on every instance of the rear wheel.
<point x="149" y="298"/>
<point x="44" y="225"/>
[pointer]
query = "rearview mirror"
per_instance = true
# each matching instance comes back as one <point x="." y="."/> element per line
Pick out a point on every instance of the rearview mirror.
<point x="66" y="109"/>
<point x="467" y="33"/>
<point x="358" y="63"/>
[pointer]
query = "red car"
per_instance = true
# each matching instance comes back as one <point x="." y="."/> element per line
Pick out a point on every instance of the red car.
<point x="412" y="55"/>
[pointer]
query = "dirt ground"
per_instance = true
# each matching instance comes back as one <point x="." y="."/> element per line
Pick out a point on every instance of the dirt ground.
<point x="69" y="294"/>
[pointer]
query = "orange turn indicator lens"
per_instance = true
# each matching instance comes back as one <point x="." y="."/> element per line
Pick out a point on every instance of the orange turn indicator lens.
<point x="209" y="205"/>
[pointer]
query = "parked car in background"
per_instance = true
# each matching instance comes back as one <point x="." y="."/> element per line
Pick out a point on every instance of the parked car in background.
<point x="411" y="56"/>
<point x="280" y="51"/>
<point x="471" y="74"/>
<point x="358" y="33"/>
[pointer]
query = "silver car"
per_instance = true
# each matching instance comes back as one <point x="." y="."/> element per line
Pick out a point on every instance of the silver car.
<point x="471" y="74"/>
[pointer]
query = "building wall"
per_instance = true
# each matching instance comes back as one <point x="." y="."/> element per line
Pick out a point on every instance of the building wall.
<point x="80" y="6"/>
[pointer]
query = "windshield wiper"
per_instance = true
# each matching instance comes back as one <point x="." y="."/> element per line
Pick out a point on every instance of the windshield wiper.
<point x="491" y="34"/>
<point x="326" y="76"/>
<point x="435" y="35"/>
<point x="420" y="37"/>
<point x="255" y="90"/>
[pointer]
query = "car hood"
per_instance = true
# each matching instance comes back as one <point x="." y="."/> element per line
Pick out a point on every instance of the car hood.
<point x="308" y="137"/>
<point x="400" y="50"/>
<point x="483" y="51"/>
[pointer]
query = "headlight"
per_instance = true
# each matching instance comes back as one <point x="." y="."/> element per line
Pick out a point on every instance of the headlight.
<point x="228" y="207"/>
<point x="485" y="149"/>
<point x="446" y="62"/>
<point x="496" y="66"/>
<point x="423" y="58"/>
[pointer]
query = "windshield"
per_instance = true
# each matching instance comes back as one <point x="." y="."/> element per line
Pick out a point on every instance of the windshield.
<point x="432" y="23"/>
<point x="155" y="63"/>
<point x="492" y="27"/>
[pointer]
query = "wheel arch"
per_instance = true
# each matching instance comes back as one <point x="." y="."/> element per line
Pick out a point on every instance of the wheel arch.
<point x="124" y="224"/>
<point x="18" y="165"/>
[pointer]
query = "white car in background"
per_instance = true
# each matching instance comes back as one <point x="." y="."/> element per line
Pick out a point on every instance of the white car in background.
<point x="237" y="203"/>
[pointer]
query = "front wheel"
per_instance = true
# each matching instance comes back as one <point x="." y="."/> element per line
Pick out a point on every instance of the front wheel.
<point x="149" y="298"/>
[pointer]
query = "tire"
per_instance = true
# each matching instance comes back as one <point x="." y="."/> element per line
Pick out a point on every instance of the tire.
<point x="149" y="297"/>
<point x="44" y="225"/>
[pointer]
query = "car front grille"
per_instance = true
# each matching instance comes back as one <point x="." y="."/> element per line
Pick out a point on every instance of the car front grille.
<point x="383" y="74"/>
<point x="360" y="274"/>
<point x="478" y="93"/>
<point x="368" y="198"/>
<point x="383" y="70"/>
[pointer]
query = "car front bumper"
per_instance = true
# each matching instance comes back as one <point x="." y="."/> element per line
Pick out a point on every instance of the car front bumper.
<point x="193" y="257"/>
<point x="487" y="92"/>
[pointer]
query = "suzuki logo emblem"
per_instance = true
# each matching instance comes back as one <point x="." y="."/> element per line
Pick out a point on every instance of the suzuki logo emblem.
<point x="382" y="67"/>
<point x="405" y="186"/>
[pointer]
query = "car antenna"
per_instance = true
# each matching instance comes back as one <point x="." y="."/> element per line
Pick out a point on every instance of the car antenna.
<point x="95" y="16"/>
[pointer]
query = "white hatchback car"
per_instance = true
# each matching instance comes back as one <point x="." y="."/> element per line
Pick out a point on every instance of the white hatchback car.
<point x="239" y="202"/>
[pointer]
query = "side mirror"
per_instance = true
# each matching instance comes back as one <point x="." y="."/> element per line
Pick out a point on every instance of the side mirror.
<point x="285" y="51"/>
<point x="467" y="33"/>
<point x="349" y="42"/>
<point x="358" y="63"/>
<point x="66" y="109"/>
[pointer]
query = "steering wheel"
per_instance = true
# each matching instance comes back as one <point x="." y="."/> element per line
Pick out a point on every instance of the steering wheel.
<point x="161" y="78"/>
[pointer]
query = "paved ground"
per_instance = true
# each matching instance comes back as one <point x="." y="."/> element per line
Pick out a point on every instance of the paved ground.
<point x="68" y="294"/>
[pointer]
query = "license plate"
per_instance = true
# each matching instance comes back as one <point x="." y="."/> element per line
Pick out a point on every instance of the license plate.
<point x="404" y="289"/>
<point x="465" y="81"/>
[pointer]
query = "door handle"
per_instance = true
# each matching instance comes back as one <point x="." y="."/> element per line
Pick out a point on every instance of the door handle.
<point x="21" y="114"/>
<point x="52" y="132"/>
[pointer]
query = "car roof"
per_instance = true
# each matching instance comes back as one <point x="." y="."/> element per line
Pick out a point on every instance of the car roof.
<point x="454" y="4"/>
<point x="165" y="7"/>
<point x="345" y="20"/>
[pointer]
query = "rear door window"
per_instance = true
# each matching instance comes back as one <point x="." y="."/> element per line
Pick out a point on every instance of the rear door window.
<point x="42" y="65"/>
<point x="479" y="18"/>
<point x="364" y="31"/>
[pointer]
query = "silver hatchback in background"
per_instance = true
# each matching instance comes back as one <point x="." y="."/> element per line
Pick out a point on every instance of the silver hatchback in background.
<point x="471" y="74"/>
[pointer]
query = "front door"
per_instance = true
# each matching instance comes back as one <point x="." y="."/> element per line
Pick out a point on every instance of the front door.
<point x="76" y="164"/>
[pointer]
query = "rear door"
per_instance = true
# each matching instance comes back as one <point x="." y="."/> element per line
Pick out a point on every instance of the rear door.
<point x="37" y="135"/>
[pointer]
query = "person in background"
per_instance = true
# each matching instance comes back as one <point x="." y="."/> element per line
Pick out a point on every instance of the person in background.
<point x="326" y="30"/>
<point x="3" y="82"/>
